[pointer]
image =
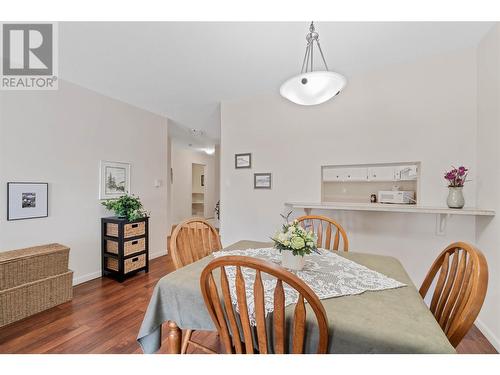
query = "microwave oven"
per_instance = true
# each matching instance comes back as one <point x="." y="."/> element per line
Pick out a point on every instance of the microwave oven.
<point x="396" y="197"/>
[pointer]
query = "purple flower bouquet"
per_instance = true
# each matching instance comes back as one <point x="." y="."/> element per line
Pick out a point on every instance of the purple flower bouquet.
<point x="457" y="176"/>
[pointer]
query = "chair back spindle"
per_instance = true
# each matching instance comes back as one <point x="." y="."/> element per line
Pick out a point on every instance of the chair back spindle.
<point x="324" y="227"/>
<point x="192" y="240"/>
<point x="236" y="340"/>
<point x="461" y="275"/>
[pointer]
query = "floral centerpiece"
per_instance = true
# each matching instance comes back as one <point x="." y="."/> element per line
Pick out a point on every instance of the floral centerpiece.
<point x="294" y="242"/>
<point x="456" y="178"/>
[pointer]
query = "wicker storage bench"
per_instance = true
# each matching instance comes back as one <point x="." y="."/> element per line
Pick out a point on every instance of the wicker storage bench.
<point x="32" y="280"/>
<point x="28" y="299"/>
<point x="22" y="266"/>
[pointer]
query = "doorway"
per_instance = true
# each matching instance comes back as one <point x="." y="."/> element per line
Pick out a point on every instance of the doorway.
<point x="198" y="190"/>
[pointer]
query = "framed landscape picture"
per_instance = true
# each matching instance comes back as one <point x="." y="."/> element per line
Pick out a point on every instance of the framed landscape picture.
<point x="242" y="161"/>
<point x="262" y="180"/>
<point x="115" y="179"/>
<point x="27" y="200"/>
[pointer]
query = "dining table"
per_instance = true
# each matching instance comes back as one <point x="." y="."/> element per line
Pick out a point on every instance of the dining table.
<point x="393" y="321"/>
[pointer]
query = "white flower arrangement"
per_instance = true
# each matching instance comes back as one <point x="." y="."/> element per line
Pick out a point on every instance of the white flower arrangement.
<point x="293" y="237"/>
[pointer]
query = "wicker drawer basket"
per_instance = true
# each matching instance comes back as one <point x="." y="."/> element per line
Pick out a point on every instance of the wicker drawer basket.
<point x="129" y="230"/>
<point x="129" y="247"/>
<point x="124" y="247"/>
<point x="23" y="266"/>
<point x="28" y="299"/>
<point x="130" y="264"/>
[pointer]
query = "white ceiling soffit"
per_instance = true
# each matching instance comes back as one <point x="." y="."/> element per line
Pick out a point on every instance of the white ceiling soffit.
<point x="182" y="70"/>
<point x="191" y="138"/>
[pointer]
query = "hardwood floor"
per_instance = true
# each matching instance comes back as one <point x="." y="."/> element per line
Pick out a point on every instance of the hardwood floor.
<point x="105" y="316"/>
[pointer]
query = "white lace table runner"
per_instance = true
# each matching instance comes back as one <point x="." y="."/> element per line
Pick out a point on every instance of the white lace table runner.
<point x="327" y="274"/>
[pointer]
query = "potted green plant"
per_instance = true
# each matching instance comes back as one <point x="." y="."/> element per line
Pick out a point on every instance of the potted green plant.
<point x="127" y="206"/>
<point x="294" y="242"/>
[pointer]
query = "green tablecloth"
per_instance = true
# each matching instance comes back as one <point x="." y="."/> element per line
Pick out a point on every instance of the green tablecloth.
<point x="388" y="321"/>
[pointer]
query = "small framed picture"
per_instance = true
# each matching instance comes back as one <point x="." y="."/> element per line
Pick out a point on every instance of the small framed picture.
<point x="115" y="179"/>
<point x="202" y="180"/>
<point x="27" y="200"/>
<point x="242" y="161"/>
<point x="262" y="180"/>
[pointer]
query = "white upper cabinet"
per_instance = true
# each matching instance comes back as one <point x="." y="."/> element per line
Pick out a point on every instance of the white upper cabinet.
<point x="332" y="174"/>
<point x="368" y="173"/>
<point x="406" y="172"/>
<point x="356" y="174"/>
<point x="381" y="174"/>
<point x="345" y="174"/>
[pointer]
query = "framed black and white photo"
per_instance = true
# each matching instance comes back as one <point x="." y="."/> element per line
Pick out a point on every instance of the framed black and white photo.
<point x="115" y="179"/>
<point x="262" y="181"/>
<point x="243" y="161"/>
<point x="27" y="200"/>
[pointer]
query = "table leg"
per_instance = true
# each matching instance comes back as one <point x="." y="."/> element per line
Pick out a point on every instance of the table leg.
<point x="174" y="337"/>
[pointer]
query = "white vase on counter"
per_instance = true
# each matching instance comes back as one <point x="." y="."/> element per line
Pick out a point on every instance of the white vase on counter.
<point x="292" y="262"/>
<point x="455" y="197"/>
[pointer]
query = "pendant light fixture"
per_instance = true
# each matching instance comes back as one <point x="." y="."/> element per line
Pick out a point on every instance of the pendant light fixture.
<point x="312" y="87"/>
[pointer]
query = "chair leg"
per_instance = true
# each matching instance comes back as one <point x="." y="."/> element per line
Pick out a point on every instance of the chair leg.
<point x="185" y="340"/>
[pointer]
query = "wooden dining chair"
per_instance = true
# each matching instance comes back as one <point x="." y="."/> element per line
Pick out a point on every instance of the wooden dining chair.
<point x="225" y="319"/>
<point x="325" y="227"/>
<point x="192" y="240"/>
<point x="459" y="290"/>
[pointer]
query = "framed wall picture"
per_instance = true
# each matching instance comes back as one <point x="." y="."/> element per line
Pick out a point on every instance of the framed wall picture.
<point x="242" y="161"/>
<point x="27" y="200"/>
<point x="115" y="179"/>
<point x="262" y="180"/>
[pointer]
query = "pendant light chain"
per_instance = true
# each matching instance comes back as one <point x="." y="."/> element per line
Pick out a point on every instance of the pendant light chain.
<point x="322" y="56"/>
<point x="312" y="87"/>
<point x="308" y="61"/>
<point x="305" y="59"/>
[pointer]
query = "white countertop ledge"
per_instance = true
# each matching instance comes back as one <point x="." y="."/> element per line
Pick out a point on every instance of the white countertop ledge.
<point x="385" y="207"/>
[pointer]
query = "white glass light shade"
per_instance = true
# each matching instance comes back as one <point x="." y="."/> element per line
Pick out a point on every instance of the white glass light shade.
<point x="313" y="88"/>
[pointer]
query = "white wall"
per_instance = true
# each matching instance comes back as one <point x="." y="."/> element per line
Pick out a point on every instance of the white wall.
<point x="217" y="171"/>
<point x="169" y="181"/>
<point x="488" y="172"/>
<point x="59" y="137"/>
<point x="182" y="160"/>
<point x="421" y="111"/>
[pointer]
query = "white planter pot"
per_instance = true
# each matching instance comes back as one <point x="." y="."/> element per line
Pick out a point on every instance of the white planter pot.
<point x="292" y="262"/>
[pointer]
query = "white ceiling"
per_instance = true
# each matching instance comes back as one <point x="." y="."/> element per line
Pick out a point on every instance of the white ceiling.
<point x="182" y="70"/>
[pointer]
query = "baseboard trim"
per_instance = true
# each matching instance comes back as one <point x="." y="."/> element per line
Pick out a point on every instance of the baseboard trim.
<point x="488" y="334"/>
<point x="87" y="277"/>
<point x="97" y="274"/>
<point x="157" y="254"/>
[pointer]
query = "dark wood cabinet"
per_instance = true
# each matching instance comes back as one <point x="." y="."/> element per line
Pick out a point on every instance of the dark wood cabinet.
<point x="124" y="247"/>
